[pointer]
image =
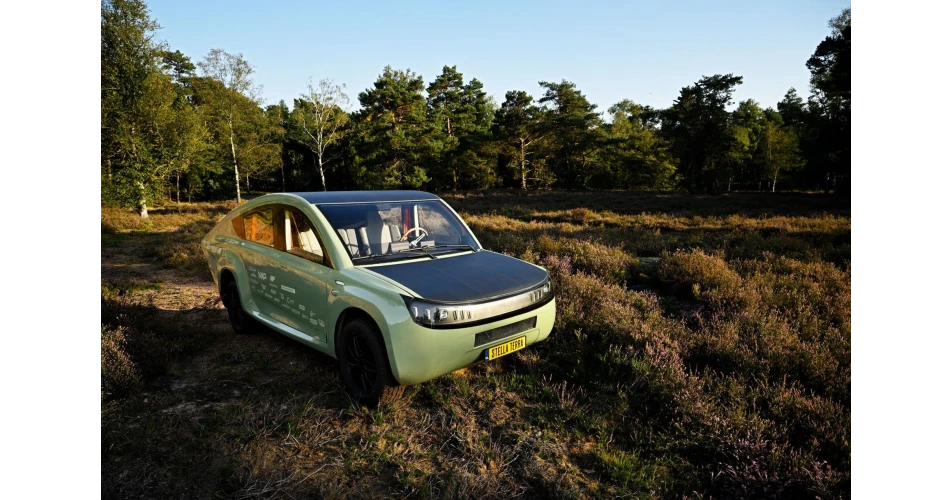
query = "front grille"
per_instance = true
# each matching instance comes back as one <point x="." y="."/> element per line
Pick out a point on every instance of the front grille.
<point x="495" y="334"/>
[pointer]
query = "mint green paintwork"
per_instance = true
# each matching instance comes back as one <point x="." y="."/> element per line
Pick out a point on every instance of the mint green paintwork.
<point x="416" y="353"/>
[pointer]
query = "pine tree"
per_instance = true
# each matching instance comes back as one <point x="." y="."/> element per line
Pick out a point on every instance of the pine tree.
<point x="463" y="114"/>
<point x="574" y="126"/>
<point x="394" y="136"/>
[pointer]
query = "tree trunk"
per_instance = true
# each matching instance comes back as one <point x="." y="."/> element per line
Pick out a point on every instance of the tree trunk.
<point x="234" y="159"/>
<point x="178" y="191"/>
<point x="522" y="162"/>
<point x="143" y="205"/>
<point x="284" y="189"/>
<point x="320" y="168"/>
<point x="773" y="186"/>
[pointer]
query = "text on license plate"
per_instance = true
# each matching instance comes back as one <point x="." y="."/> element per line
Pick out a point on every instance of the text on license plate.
<point x="507" y="348"/>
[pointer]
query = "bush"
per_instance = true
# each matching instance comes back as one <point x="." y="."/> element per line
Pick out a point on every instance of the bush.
<point x="696" y="274"/>
<point x="118" y="373"/>
<point x="610" y="263"/>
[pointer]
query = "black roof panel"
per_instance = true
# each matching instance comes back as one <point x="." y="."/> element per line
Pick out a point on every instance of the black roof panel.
<point x="319" y="197"/>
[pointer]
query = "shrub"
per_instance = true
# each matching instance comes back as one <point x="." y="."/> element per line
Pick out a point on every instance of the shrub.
<point x="118" y="373"/>
<point x="610" y="263"/>
<point x="695" y="274"/>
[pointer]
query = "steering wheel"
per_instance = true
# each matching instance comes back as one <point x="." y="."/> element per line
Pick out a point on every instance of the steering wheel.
<point x="404" y="237"/>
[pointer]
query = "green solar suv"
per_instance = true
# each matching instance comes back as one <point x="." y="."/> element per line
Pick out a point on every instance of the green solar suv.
<point x="392" y="284"/>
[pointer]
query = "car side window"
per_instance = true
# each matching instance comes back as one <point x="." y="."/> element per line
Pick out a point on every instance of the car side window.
<point x="300" y="237"/>
<point x="259" y="227"/>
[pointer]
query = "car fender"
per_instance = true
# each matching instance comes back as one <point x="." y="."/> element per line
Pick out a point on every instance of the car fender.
<point x="387" y="310"/>
<point x="228" y="260"/>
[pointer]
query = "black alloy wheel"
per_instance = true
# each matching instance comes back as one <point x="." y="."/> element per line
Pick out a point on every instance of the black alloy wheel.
<point x="364" y="367"/>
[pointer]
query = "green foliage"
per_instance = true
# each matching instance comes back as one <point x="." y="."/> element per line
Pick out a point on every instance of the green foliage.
<point x="394" y="136"/>
<point x="573" y="126"/>
<point x="319" y="121"/>
<point x="168" y="131"/>
<point x="137" y="117"/>
<point x="463" y="114"/>
<point x="636" y="156"/>
<point x="831" y="100"/>
<point x="698" y="126"/>
<point x="518" y="130"/>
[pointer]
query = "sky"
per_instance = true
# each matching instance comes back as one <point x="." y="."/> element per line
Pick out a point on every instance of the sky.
<point x="641" y="51"/>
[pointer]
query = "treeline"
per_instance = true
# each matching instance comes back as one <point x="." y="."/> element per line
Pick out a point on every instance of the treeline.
<point x="173" y="128"/>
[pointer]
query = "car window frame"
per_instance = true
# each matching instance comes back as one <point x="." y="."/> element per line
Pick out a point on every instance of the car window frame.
<point x="282" y="238"/>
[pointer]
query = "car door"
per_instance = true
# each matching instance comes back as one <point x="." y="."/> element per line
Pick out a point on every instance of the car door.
<point x="303" y="274"/>
<point x="258" y="251"/>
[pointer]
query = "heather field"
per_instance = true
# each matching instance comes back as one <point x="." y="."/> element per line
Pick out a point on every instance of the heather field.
<point x="701" y="350"/>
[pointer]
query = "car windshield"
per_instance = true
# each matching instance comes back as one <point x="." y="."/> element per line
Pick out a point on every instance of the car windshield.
<point x="383" y="232"/>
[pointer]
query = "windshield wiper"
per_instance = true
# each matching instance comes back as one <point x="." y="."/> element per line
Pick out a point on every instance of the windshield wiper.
<point x="456" y="245"/>
<point x="371" y="256"/>
<point x="460" y="246"/>
<point x="418" y="249"/>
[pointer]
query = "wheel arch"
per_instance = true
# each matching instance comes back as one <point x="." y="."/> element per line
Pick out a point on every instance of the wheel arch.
<point x="351" y="313"/>
<point x="228" y="266"/>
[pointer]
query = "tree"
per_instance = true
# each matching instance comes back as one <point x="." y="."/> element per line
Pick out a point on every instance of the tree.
<point x="698" y="126"/>
<point x="574" y="126"/>
<point x="778" y="149"/>
<point x="518" y="127"/>
<point x="463" y="114"/>
<point x="637" y="157"/>
<point x="792" y="108"/>
<point x="178" y="65"/>
<point x="230" y="100"/>
<point x="324" y="120"/>
<point x="747" y="124"/>
<point x="830" y="81"/>
<point x="148" y="130"/>
<point x="262" y="139"/>
<point x="394" y="136"/>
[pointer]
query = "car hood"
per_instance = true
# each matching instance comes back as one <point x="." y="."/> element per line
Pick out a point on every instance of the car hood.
<point x="473" y="277"/>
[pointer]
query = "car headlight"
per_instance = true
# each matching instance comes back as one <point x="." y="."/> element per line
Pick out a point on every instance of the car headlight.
<point x="434" y="315"/>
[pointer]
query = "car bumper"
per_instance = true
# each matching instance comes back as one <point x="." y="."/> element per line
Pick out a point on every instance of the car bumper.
<point x="418" y="354"/>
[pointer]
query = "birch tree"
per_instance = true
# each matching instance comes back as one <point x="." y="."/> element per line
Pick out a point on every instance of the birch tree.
<point x="225" y="103"/>
<point x="324" y="120"/>
<point x="779" y="152"/>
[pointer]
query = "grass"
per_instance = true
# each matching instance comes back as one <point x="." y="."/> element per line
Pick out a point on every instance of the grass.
<point x="701" y="349"/>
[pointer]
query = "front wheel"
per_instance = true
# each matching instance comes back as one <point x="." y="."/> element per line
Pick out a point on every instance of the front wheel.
<point x="241" y="321"/>
<point x="364" y="367"/>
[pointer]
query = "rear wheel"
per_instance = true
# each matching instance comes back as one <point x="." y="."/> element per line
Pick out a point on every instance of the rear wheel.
<point x="241" y="321"/>
<point x="364" y="367"/>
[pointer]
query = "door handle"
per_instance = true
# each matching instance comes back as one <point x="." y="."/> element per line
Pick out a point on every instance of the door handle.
<point x="283" y="267"/>
<point x="335" y="292"/>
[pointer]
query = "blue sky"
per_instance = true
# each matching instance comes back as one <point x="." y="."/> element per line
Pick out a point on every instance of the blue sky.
<point x="610" y="50"/>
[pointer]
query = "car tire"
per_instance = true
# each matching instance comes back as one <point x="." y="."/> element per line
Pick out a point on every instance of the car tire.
<point x="242" y="322"/>
<point x="364" y="367"/>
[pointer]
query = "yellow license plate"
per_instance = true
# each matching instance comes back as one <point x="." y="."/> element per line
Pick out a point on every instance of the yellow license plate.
<point x="507" y="348"/>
